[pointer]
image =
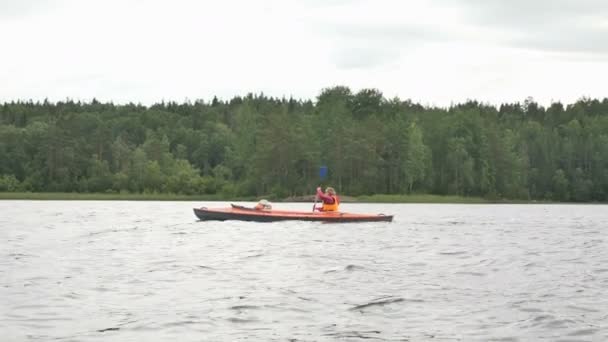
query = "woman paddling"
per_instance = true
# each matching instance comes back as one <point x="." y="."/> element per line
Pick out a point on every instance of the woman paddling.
<point x="329" y="198"/>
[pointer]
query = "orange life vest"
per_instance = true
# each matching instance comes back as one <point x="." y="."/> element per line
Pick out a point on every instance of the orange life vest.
<point x="331" y="206"/>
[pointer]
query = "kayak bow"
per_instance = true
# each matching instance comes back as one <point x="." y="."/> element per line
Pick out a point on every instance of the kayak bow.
<point x="240" y="213"/>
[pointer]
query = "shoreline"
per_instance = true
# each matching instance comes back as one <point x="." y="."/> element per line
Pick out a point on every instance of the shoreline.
<point x="415" y="198"/>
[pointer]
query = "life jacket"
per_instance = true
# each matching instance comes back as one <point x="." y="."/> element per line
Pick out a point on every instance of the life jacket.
<point x="331" y="206"/>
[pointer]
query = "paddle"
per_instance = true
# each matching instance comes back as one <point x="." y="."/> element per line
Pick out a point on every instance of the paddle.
<point x="322" y="175"/>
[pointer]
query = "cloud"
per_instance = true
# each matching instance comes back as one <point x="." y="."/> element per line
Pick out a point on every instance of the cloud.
<point x="435" y="51"/>
<point x="550" y="25"/>
<point x="363" y="58"/>
<point x="370" y="34"/>
<point x="529" y="13"/>
<point x="13" y="9"/>
<point x="371" y="46"/>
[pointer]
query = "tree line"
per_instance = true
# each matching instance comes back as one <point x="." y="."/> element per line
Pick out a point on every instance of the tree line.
<point x="263" y="146"/>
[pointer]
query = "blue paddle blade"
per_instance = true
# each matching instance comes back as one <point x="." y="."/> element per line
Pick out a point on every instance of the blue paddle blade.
<point x="323" y="172"/>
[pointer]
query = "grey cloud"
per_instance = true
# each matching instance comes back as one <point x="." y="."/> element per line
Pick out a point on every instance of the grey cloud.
<point x="571" y="40"/>
<point x="369" y="43"/>
<point x="329" y="3"/>
<point x="369" y="46"/>
<point x="528" y="12"/>
<point x="550" y="25"/>
<point x="397" y="34"/>
<point x="363" y="58"/>
<point x="19" y="8"/>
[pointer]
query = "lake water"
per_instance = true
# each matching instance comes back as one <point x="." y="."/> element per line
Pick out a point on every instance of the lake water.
<point x="148" y="271"/>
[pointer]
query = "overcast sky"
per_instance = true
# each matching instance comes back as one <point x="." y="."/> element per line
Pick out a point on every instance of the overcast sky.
<point x="435" y="52"/>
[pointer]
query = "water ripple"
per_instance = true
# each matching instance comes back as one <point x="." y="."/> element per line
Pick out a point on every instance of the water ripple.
<point x="90" y="271"/>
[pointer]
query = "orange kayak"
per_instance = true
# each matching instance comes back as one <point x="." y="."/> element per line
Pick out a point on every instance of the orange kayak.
<point x="241" y="213"/>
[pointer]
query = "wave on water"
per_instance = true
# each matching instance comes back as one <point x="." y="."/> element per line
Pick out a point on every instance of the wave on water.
<point x="437" y="273"/>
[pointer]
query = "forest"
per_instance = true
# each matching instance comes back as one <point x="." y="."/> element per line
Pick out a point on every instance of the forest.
<point x="263" y="146"/>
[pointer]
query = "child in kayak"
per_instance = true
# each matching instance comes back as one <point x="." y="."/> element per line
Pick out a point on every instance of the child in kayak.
<point x="329" y="198"/>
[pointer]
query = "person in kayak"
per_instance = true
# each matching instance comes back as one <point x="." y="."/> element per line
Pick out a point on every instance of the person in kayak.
<point x="263" y="205"/>
<point x="329" y="198"/>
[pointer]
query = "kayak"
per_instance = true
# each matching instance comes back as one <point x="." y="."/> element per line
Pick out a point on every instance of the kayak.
<point x="240" y="213"/>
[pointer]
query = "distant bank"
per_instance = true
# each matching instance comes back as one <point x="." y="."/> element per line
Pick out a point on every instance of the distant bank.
<point x="416" y="198"/>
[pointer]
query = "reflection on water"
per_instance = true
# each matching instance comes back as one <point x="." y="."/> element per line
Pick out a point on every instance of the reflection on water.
<point x="134" y="271"/>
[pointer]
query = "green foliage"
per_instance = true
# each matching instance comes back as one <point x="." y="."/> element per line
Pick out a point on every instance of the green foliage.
<point x="8" y="183"/>
<point x="560" y="186"/>
<point x="100" y="177"/>
<point x="420" y="199"/>
<point x="256" y="146"/>
<point x="417" y="159"/>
